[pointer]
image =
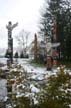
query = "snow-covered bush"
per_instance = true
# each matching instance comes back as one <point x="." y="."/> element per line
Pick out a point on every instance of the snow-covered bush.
<point x="57" y="92"/>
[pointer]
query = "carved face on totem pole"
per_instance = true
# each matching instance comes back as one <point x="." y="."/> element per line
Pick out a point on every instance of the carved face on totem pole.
<point x="48" y="45"/>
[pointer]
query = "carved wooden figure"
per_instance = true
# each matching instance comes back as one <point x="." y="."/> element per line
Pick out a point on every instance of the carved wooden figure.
<point x="10" y="27"/>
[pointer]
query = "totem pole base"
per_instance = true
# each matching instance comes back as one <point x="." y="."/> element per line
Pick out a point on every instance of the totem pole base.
<point x="8" y="63"/>
<point x="54" y="62"/>
<point x="49" y="63"/>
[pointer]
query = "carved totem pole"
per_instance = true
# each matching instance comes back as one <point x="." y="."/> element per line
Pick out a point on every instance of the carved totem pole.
<point x="35" y="47"/>
<point x="10" y="27"/>
<point x="48" y="50"/>
<point x="55" y="53"/>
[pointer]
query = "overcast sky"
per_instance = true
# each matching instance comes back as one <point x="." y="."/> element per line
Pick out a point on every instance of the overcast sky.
<point x="25" y="12"/>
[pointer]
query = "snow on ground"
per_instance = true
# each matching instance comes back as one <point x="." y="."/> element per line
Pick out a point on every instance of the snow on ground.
<point x="3" y="89"/>
<point x="38" y="73"/>
<point x="37" y="76"/>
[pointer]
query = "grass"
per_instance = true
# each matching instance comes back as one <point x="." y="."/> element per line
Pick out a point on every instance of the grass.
<point x="40" y="64"/>
<point x="37" y="63"/>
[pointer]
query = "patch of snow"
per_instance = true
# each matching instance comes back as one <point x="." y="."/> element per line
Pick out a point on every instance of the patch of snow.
<point x="5" y="99"/>
<point x="14" y="69"/>
<point x="70" y="105"/>
<point x="4" y="67"/>
<point x="3" y="89"/>
<point x="34" y="89"/>
<point x="35" y="101"/>
<point x="19" y="95"/>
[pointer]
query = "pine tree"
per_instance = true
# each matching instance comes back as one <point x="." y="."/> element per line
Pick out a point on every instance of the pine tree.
<point x="21" y="55"/>
<point x="7" y="54"/>
<point x="60" y="10"/>
<point x="16" y="55"/>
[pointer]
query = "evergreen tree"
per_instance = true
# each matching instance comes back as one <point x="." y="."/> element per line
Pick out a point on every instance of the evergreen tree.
<point x="6" y="54"/>
<point x="16" y="55"/>
<point x="60" y="10"/>
<point x="45" y="21"/>
<point x="21" y="55"/>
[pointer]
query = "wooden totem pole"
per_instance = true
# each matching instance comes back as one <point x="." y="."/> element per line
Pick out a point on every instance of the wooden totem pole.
<point x="55" y="52"/>
<point x="10" y="27"/>
<point x="48" y="50"/>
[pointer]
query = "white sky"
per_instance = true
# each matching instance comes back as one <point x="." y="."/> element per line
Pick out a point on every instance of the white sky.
<point x="25" y="12"/>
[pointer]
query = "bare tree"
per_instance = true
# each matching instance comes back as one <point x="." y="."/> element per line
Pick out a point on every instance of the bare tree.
<point x="22" y="39"/>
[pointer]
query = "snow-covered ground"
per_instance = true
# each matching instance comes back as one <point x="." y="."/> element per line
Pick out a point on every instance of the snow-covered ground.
<point x="36" y="77"/>
<point x="39" y="72"/>
<point x="3" y="60"/>
<point x="3" y="89"/>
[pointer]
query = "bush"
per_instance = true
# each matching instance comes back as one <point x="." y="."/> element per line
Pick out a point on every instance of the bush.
<point x="56" y="93"/>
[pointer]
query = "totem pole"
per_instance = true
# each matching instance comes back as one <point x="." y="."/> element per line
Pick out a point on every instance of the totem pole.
<point x="35" y="47"/>
<point x="10" y="27"/>
<point x="48" y="51"/>
<point x="55" y="44"/>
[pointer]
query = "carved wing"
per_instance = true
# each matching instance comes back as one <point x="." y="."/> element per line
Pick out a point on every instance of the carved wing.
<point x="14" y="25"/>
<point x="6" y="26"/>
